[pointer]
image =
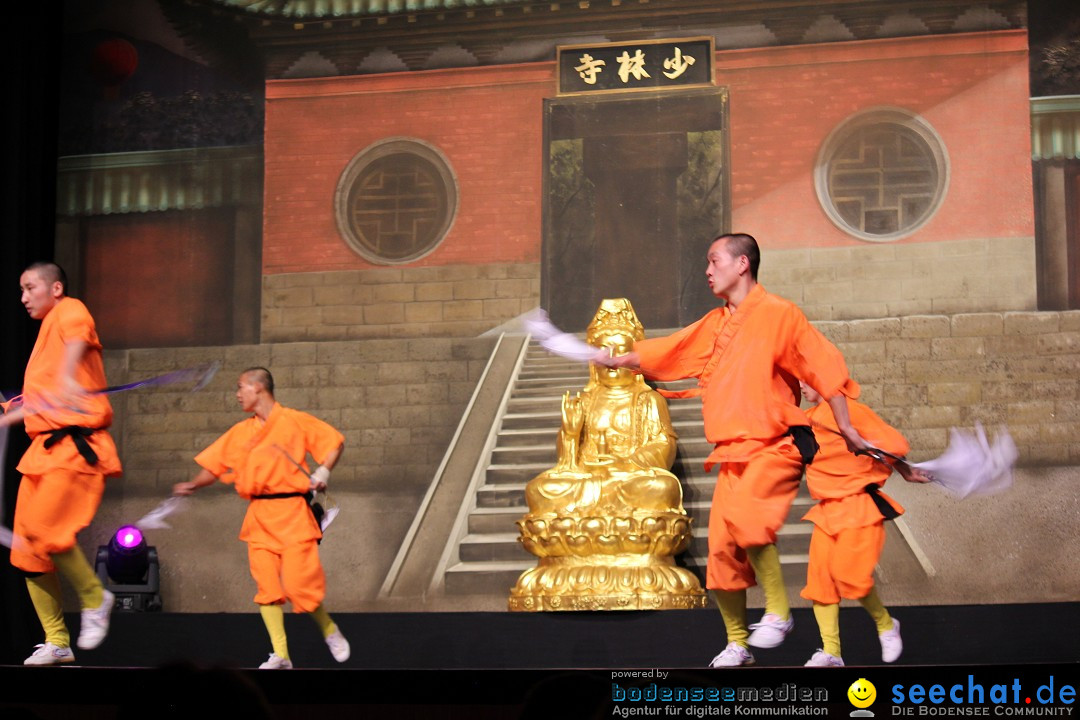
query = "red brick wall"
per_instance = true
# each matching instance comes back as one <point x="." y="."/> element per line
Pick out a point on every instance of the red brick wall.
<point x="971" y="88"/>
<point x="487" y="122"/>
<point x="176" y="284"/>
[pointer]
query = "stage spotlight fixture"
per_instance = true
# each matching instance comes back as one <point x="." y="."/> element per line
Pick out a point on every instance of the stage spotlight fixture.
<point x="129" y="568"/>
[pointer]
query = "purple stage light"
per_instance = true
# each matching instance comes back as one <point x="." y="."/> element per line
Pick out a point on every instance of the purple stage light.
<point x="129" y="536"/>
<point x="127" y="555"/>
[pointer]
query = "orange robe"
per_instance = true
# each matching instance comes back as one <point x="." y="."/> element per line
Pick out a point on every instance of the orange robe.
<point x="60" y="491"/>
<point x="746" y="364"/>
<point x="281" y="533"/>
<point x="848" y="531"/>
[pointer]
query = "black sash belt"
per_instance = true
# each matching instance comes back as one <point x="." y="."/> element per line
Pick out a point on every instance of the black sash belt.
<point x="78" y="436"/>
<point x="887" y="511"/>
<point x="316" y="508"/>
<point x="803" y="437"/>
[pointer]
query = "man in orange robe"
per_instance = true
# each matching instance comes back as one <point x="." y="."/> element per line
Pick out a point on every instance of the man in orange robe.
<point x="64" y="470"/>
<point x="263" y="457"/>
<point x="848" y="523"/>
<point x="746" y="356"/>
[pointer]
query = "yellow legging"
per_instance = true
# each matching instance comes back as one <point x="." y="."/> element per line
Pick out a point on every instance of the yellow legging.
<point x="47" y="599"/>
<point x="732" y="604"/>
<point x="765" y="560"/>
<point x="828" y="620"/>
<point x="274" y="618"/>
<point x="45" y="595"/>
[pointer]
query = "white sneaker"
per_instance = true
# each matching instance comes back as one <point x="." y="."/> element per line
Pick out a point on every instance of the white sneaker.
<point x="276" y="662"/>
<point x="770" y="632"/>
<point x="824" y="659"/>
<point x="95" y="623"/>
<point x="339" y="646"/>
<point x="891" y="644"/>
<point x="49" y="654"/>
<point x="733" y="655"/>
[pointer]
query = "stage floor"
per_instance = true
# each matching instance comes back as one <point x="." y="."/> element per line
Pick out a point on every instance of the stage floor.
<point x="495" y="664"/>
<point x="933" y="635"/>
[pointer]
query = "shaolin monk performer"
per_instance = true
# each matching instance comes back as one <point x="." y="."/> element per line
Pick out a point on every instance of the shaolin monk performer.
<point x="64" y="470"/>
<point x="747" y="356"/>
<point x="848" y="524"/>
<point x="259" y="456"/>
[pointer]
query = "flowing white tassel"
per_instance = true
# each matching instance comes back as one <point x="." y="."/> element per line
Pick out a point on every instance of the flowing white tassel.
<point x="155" y="519"/>
<point x="971" y="465"/>
<point x="556" y="341"/>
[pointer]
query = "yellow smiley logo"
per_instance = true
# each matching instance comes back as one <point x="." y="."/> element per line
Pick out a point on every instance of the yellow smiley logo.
<point x="862" y="693"/>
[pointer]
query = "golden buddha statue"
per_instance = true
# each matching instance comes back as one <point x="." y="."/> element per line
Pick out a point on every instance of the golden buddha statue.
<point x="607" y="520"/>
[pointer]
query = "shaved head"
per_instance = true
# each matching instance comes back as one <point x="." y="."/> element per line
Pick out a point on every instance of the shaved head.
<point x="260" y="376"/>
<point x="50" y="273"/>
<point x="738" y="244"/>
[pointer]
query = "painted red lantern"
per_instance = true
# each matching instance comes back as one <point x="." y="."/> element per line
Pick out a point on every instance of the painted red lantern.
<point x="113" y="61"/>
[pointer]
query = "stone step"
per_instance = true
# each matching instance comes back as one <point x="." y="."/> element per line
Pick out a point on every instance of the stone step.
<point x="553" y="390"/>
<point x="548" y="372"/>
<point x="528" y="436"/>
<point x="495" y="519"/>
<point x="487" y="578"/>
<point x="527" y="455"/>
<point x="492" y="546"/>
<point x="550" y="379"/>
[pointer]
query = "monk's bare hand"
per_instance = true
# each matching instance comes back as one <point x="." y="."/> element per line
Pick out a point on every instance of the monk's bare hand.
<point x="628" y="360"/>
<point x="914" y="474"/>
<point x="854" y="440"/>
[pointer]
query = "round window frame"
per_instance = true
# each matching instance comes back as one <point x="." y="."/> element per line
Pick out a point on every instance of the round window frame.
<point x="355" y="170"/>
<point x="841" y="133"/>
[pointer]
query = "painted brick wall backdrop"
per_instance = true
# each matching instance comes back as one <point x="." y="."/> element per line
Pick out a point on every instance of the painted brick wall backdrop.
<point x="971" y="88"/>
<point x="398" y="402"/>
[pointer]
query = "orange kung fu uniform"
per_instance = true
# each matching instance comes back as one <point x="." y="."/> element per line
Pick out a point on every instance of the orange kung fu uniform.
<point x="281" y="533"/>
<point x="848" y="530"/>
<point x="61" y="488"/>
<point x="746" y="363"/>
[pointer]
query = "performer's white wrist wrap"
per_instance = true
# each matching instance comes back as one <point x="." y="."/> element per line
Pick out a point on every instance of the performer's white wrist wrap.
<point x="321" y="476"/>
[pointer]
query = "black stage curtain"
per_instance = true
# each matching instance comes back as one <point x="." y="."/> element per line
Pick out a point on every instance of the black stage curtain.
<point x="29" y="140"/>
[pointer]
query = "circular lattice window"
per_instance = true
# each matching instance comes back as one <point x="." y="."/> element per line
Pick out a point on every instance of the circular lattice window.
<point x="396" y="201"/>
<point x="882" y="175"/>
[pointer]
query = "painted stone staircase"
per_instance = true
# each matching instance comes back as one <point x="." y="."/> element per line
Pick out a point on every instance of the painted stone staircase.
<point x="489" y="557"/>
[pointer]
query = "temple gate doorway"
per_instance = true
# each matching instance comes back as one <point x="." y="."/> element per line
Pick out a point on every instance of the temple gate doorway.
<point x="636" y="186"/>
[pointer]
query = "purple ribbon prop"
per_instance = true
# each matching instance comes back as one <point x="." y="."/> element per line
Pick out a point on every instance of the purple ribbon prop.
<point x="199" y="375"/>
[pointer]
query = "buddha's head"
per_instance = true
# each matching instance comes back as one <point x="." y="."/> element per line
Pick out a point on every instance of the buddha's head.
<point x="615" y="326"/>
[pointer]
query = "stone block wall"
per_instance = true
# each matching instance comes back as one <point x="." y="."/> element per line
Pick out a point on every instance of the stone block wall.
<point x="398" y="402"/>
<point x="439" y="301"/>
<point x="927" y="373"/>
<point x="883" y="280"/>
